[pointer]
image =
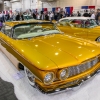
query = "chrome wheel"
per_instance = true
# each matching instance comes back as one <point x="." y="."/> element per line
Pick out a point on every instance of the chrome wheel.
<point x="30" y="76"/>
<point x="98" y="39"/>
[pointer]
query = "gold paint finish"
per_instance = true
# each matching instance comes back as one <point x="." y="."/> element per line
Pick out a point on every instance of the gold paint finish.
<point x="79" y="32"/>
<point x="50" y="53"/>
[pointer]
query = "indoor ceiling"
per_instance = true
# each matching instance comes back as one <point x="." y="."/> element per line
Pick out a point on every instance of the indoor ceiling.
<point x="48" y="0"/>
<point x="6" y="0"/>
<point x="40" y="0"/>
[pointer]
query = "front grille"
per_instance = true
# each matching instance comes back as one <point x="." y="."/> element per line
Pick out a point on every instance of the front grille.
<point x="75" y="70"/>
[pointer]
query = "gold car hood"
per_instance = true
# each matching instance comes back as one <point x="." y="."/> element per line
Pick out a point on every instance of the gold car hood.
<point x="97" y="27"/>
<point x="56" y="51"/>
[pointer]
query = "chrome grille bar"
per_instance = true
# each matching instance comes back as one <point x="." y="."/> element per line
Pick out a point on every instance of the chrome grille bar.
<point x="75" y="70"/>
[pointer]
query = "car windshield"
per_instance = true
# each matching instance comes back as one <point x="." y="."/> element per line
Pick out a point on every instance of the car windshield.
<point x="90" y="23"/>
<point x="30" y="30"/>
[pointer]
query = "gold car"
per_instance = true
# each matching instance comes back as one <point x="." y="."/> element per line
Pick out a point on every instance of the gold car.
<point x="52" y="61"/>
<point x="82" y="27"/>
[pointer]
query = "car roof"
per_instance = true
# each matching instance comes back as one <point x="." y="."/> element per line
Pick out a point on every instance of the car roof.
<point x="13" y="23"/>
<point x="82" y="18"/>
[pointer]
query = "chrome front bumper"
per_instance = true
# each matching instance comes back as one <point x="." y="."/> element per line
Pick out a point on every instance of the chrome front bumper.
<point x="73" y="87"/>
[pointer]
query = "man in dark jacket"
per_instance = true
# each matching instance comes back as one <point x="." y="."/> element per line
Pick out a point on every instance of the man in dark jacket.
<point x="86" y="14"/>
<point x="19" y="17"/>
<point x="97" y="18"/>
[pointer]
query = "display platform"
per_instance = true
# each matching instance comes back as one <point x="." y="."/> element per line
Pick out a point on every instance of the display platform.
<point x="23" y="91"/>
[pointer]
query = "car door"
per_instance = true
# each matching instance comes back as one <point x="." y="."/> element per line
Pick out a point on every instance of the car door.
<point x="93" y="30"/>
<point x="78" y="28"/>
<point x="64" y="27"/>
<point x="80" y="32"/>
<point x="6" y="44"/>
<point x="73" y="28"/>
<point x="93" y="34"/>
<point x="4" y="39"/>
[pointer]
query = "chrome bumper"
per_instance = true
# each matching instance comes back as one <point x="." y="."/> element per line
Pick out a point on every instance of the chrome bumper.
<point x="73" y="87"/>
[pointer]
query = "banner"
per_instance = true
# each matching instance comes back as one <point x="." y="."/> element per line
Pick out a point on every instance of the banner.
<point x="91" y="7"/>
<point x="53" y="9"/>
<point x="84" y="7"/>
<point x="44" y="9"/>
<point x="88" y="7"/>
<point x="69" y="10"/>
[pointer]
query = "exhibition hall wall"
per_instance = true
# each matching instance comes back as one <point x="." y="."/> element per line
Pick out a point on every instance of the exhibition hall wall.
<point x="37" y="4"/>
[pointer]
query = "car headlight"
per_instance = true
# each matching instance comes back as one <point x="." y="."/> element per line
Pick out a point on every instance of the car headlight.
<point x="95" y="61"/>
<point x="64" y="74"/>
<point x="49" y="78"/>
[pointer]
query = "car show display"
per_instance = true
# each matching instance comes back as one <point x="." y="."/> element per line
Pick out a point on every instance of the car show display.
<point x="52" y="60"/>
<point x="81" y="27"/>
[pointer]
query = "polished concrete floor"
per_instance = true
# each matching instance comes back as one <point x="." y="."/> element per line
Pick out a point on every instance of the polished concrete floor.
<point x="23" y="91"/>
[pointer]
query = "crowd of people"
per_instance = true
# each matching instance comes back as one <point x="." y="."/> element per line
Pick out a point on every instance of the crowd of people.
<point x="17" y="16"/>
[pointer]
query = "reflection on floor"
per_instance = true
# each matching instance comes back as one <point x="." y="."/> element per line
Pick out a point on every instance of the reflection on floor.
<point x="23" y="91"/>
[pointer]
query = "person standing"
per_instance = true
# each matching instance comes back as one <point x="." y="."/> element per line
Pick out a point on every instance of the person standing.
<point x="1" y="24"/>
<point x="93" y="15"/>
<point x="78" y="14"/>
<point x="34" y="15"/>
<point x="46" y="16"/>
<point x="86" y="14"/>
<point x="55" y="15"/>
<point x="19" y="16"/>
<point x="97" y="18"/>
<point x="51" y="16"/>
<point x="1" y="17"/>
<point x="42" y="15"/>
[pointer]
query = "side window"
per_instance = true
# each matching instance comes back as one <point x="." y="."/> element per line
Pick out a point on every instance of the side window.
<point x="7" y="30"/>
<point x="93" y="23"/>
<point x="77" y="23"/>
<point x="64" y="22"/>
<point x="90" y="23"/>
<point x="87" y="24"/>
<point x="20" y="30"/>
<point x="3" y="29"/>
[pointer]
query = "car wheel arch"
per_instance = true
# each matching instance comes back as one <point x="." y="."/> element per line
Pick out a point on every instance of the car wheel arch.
<point x="97" y="38"/>
<point x="20" y="66"/>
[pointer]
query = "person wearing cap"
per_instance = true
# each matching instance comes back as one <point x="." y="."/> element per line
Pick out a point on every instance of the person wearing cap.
<point x="97" y="18"/>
